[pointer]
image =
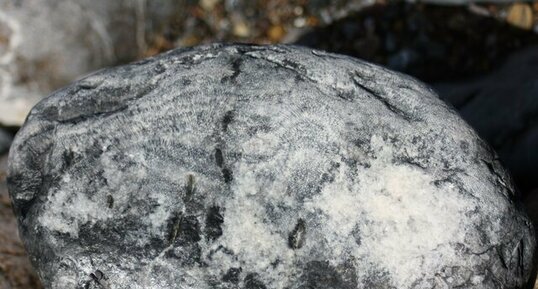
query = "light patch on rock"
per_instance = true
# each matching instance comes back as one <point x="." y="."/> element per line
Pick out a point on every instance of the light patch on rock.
<point x="65" y="212"/>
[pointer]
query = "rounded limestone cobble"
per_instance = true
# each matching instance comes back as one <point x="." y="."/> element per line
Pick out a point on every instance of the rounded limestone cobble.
<point x="231" y="166"/>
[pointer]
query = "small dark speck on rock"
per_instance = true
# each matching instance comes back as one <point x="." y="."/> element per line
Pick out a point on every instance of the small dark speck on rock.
<point x="110" y="201"/>
<point x="297" y="237"/>
<point x="232" y="275"/>
<point x="252" y="282"/>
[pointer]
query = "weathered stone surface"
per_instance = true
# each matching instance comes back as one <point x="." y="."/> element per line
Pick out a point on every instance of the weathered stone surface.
<point x="262" y="167"/>
<point x="44" y="44"/>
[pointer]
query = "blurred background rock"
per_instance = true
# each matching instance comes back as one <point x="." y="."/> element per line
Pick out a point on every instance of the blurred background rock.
<point x="481" y="56"/>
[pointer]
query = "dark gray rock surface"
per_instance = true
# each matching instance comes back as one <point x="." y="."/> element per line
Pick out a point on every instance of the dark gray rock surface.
<point x="262" y="167"/>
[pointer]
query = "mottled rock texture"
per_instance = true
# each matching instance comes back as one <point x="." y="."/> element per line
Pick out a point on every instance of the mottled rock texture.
<point x="262" y="167"/>
<point x="45" y="44"/>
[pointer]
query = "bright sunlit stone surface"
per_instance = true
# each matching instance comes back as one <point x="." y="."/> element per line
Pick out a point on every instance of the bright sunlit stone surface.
<point x="262" y="167"/>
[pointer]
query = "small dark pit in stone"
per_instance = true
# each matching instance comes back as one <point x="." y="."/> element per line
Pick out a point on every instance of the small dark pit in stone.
<point x="236" y="68"/>
<point x="50" y="112"/>
<point x="189" y="230"/>
<point x="68" y="158"/>
<point x="321" y="275"/>
<point x="220" y="248"/>
<point x="357" y="235"/>
<point x="159" y="68"/>
<point x="297" y="236"/>
<point x="252" y="282"/>
<point x="226" y="172"/>
<point x="227" y="119"/>
<point x="190" y="187"/>
<point x="213" y="222"/>
<point x="275" y="263"/>
<point x="88" y="85"/>
<point x="228" y="175"/>
<point x="232" y="275"/>
<point x="186" y="81"/>
<point x="97" y="276"/>
<point x="183" y="229"/>
<point x="173" y="227"/>
<point x="219" y="158"/>
<point x="110" y="201"/>
<point x="464" y="146"/>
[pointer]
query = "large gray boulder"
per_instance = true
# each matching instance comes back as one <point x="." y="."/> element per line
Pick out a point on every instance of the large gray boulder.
<point x="262" y="167"/>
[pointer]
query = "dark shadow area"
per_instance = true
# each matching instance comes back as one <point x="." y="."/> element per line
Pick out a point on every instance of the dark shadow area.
<point x="433" y="43"/>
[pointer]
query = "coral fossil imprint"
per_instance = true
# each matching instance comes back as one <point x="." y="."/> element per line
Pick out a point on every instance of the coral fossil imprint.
<point x="262" y="167"/>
